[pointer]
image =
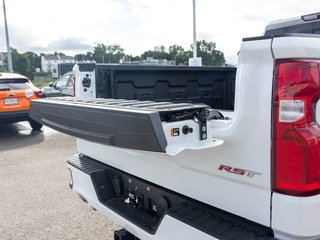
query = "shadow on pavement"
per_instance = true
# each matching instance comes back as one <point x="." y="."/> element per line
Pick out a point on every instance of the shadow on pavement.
<point x="17" y="135"/>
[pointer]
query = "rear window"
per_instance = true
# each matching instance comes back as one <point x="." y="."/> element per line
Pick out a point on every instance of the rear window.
<point x="14" y="84"/>
<point x="293" y="26"/>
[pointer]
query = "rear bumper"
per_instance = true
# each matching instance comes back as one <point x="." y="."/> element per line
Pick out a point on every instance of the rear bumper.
<point x="14" y="116"/>
<point x="105" y="188"/>
<point x="296" y="217"/>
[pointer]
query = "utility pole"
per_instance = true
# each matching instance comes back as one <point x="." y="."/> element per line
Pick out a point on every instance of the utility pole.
<point x="195" y="61"/>
<point x="10" y="68"/>
<point x="194" y="30"/>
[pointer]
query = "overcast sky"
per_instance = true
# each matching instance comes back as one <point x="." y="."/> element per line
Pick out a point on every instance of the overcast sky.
<point x="76" y="26"/>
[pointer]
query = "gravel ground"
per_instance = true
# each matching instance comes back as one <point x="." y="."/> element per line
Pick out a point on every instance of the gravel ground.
<point x="35" y="200"/>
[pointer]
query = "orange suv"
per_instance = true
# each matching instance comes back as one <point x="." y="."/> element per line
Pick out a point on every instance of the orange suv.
<point x="16" y="91"/>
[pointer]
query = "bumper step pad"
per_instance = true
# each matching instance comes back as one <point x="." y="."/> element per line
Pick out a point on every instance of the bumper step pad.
<point x="215" y="222"/>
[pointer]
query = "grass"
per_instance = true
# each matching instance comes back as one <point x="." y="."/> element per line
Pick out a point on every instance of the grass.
<point x="42" y="83"/>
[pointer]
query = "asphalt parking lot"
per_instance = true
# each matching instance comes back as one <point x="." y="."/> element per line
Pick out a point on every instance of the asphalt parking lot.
<point x="35" y="200"/>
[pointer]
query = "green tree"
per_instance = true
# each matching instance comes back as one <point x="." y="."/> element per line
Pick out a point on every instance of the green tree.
<point x="99" y="53"/>
<point x="35" y="60"/>
<point x="108" y="53"/>
<point x="84" y="57"/>
<point x="80" y="57"/>
<point x="159" y="52"/>
<point x="210" y="56"/>
<point x="59" y="54"/>
<point x="115" y="53"/>
<point x="21" y="63"/>
<point x="132" y="58"/>
<point x="178" y="54"/>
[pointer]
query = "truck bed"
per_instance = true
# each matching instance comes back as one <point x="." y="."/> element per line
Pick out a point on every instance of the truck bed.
<point x="214" y="86"/>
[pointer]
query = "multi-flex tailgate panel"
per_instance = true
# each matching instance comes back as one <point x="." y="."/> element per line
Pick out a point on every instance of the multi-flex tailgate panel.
<point x="117" y="122"/>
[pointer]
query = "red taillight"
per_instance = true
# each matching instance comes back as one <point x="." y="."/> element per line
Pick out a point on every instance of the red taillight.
<point x="296" y="135"/>
<point x="73" y="85"/>
<point x="39" y="94"/>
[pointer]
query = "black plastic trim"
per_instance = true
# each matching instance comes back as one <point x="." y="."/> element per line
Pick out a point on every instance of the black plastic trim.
<point x="218" y="223"/>
<point x="117" y="122"/>
<point x="103" y="122"/>
<point x="305" y="35"/>
<point x="213" y="86"/>
<point x="112" y="186"/>
<point x="86" y="67"/>
<point x="64" y="68"/>
<point x="14" y="116"/>
<point x="248" y="39"/>
<point x="152" y="68"/>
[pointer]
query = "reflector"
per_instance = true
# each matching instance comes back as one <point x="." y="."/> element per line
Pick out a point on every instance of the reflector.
<point x="291" y="110"/>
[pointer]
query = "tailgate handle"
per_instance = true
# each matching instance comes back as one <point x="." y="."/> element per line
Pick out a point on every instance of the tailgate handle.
<point x="86" y="82"/>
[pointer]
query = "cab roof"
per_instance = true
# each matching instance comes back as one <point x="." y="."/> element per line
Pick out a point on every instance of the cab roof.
<point x="309" y="24"/>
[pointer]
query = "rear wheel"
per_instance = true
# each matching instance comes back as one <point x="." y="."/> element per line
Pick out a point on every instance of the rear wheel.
<point x="35" y="125"/>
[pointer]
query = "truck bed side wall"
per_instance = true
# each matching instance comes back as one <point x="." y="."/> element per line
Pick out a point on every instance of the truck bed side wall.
<point x="214" y="86"/>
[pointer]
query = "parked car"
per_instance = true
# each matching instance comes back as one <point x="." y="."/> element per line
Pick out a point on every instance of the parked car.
<point x="61" y="87"/>
<point x="16" y="91"/>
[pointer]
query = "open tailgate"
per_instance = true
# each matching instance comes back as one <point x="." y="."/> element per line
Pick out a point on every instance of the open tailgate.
<point x="123" y="123"/>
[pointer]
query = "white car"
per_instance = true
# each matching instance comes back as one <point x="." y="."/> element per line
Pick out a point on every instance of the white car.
<point x="61" y="87"/>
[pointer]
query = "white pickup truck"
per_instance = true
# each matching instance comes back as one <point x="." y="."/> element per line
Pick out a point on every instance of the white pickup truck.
<point x="242" y="168"/>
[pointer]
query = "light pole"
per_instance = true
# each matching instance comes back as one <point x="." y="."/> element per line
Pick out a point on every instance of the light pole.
<point x="195" y="61"/>
<point x="194" y="30"/>
<point x="10" y="68"/>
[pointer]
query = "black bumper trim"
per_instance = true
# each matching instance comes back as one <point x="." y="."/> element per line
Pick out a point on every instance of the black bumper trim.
<point x="219" y="224"/>
<point x="213" y="221"/>
<point x="14" y="116"/>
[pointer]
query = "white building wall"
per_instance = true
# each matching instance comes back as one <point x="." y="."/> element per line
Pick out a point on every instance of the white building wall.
<point x="49" y="65"/>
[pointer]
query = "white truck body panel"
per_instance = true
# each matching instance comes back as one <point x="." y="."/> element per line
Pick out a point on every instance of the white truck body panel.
<point x="291" y="47"/>
<point x="80" y="91"/>
<point x="289" y="212"/>
<point x="246" y="146"/>
<point x="183" y="142"/>
<point x="298" y="216"/>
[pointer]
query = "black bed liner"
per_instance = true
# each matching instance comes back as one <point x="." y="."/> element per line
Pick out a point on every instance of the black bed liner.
<point x="213" y="86"/>
<point x="123" y="123"/>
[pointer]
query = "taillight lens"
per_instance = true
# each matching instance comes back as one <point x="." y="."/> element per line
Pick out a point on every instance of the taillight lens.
<point x="73" y="85"/>
<point x="296" y="135"/>
<point x="39" y="94"/>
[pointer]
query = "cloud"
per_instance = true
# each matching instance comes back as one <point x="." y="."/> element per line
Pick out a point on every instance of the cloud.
<point x="139" y="25"/>
<point x="71" y="43"/>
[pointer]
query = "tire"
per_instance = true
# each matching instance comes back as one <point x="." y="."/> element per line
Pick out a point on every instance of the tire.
<point x="35" y="125"/>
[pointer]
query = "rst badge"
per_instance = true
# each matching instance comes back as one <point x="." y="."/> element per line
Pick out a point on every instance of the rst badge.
<point x="238" y="171"/>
